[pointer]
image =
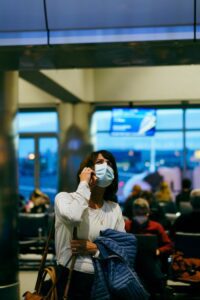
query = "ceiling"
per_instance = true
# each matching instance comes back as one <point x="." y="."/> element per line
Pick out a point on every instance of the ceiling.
<point x="94" y="34"/>
<point x="68" y="34"/>
<point x="28" y="58"/>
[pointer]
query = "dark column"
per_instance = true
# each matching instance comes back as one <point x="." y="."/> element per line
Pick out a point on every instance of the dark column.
<point x="9" y="286"/>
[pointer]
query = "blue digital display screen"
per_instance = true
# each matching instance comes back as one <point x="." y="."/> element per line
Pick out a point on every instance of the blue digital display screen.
<point x="133" y="121"/>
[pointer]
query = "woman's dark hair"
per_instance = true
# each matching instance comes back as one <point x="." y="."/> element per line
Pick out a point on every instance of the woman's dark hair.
<point x="89" y="161"/>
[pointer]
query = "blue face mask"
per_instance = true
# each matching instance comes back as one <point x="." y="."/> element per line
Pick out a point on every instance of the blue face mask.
<point x="104" y="174"/>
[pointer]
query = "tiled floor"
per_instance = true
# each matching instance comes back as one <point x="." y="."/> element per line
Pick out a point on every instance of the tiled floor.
<point x="27" y="281"/>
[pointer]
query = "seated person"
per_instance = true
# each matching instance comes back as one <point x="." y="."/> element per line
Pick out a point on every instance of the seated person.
<point x="164" y="194"/>
<point x="184" y="195"/>
<point x="189" y="222"/>
<point x="38" y="203"/>
<point x="164" y="197"/>
<point x="150" y="270"/>
<point x="156" y="211"/>
<point x="135" y="193"/>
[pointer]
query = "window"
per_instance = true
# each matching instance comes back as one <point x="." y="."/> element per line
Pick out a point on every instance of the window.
<point x="38" y="122"/>
<point x="192" y="118"/>
<point x="169" y="119"/>
<point x="38" y="148"/>
<point x="137" y="156"/>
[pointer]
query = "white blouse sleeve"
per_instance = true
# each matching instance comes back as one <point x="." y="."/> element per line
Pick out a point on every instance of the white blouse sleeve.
<point x="120" y="224"/>
<point x="70" y="206"/>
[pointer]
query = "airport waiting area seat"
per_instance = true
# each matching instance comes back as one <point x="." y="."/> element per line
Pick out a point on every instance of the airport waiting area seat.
<point x="168" y="207"/>
<point x="151" y="270"/>
<point x="189" y="245"/>
<point x="33" y="233"/>
<point x="185" y="207"/>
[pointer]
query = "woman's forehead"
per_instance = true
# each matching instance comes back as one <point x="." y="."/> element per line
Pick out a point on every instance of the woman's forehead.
<point x="100" y="156"/>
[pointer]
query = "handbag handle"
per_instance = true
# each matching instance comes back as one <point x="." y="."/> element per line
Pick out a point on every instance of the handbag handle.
<point x="73" y="259"/>
<point x="56" y="281"/>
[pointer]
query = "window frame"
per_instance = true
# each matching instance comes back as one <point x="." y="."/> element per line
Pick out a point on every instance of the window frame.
<point x="36" y="137"/>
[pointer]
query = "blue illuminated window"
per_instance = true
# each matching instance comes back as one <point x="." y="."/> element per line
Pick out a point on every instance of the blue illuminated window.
<point x="38" y="152"/>
<point x="37" y="121"/>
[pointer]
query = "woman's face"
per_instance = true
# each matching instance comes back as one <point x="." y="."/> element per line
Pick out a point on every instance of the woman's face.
<point x="100" y="160"/>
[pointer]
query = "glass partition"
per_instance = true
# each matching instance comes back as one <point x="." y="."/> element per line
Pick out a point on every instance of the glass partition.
<point x="173" y="151"/>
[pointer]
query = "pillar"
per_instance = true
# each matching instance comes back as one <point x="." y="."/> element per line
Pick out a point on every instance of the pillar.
<point x="74" y="142"/>
<point x="9" y="285"/>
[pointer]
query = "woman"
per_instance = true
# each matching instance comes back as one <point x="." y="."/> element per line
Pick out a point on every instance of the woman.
<point x="91" y="209"/>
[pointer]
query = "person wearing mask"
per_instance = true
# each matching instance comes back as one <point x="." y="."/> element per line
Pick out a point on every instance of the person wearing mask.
<point x="150" y="270"/>
<point x="90" y="209"/>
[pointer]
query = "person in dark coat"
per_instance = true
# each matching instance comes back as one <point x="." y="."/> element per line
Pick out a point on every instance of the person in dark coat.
<point x="184" y="195"/>
<point x="189" y="222"/>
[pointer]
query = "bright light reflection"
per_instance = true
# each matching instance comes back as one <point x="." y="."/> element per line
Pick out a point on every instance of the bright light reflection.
<point x="31" y="156"/>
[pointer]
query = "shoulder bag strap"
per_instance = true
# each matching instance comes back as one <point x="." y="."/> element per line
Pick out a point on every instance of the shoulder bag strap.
<point x="44" y="256"/>
<point x="66" y="291"/>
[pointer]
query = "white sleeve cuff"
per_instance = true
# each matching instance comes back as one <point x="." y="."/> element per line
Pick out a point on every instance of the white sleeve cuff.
<point x="96" y="254"/>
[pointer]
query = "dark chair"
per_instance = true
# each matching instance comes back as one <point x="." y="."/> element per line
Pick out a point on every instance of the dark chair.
<point x="185" y="207"/>
<point x="32" y="232"/>
<point x="168" y="207"/>
<point x="32" y="226"/>
<point x="146" y="244"/>
<point x="189" y="245"/>
<point x="148" y="266"/>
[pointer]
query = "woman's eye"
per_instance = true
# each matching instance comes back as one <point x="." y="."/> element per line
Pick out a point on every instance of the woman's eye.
<point x="103" y="161"/>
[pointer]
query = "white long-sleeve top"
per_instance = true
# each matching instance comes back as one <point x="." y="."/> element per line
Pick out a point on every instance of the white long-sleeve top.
<point x="71" y="209"/>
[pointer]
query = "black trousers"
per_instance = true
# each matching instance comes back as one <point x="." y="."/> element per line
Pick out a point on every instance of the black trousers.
<point x="80" y="286"/>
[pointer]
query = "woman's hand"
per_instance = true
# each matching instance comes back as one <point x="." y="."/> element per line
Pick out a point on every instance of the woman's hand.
<point x="88" y="175"/>
<point x="83" y="247"/>
<point x="157" y="252"/>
